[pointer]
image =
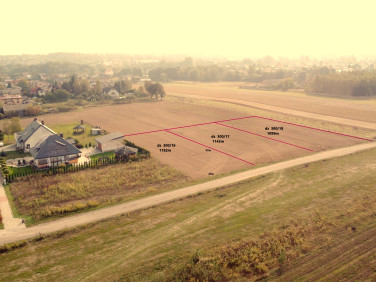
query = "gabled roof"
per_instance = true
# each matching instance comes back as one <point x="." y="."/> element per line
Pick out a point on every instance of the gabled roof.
<point x="54" y="146"/>
<point x="29" y="130"/>
<point x="126" y="150"/>
<point x="109" y="137"/>
<point x="80" y="126"/>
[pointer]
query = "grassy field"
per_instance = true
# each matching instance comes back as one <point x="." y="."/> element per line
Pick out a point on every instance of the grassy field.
<point x="39" y="197"/>
<point x="291" y="224"/>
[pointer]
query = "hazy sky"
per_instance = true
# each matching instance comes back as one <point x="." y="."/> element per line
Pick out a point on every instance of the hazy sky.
<point x="227" y="28"/>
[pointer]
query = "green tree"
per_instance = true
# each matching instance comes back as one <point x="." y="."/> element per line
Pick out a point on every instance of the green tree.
<point x="12" y="126"/>
<point x="98" y="90"/>
<point x="24" y="85"/>
<point x="155" y="89"/>
<point x="84" y="83"/>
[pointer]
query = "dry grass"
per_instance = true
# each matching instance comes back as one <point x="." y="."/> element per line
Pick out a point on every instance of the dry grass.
<point x="302" y="249"/>
<point x="40" y="196"/>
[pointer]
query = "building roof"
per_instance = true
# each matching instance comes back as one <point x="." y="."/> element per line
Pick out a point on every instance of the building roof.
<point x="54" y="146"/>
<point x="126" y="150"/>
<point x="109" y="137"/>
<point x="29" y="130"/>
<point x="80" y="126"/>
<point x="18" y="107"/>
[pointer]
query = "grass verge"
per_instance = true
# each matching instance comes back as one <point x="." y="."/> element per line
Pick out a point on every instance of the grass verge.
<point x="243" y="221"/>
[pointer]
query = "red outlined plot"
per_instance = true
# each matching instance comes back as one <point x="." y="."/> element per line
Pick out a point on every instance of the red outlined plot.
<point x="210" y="148"/>
<point x="264" y="136"/>
<point x="222" y="123"/>
<point x="314" y="128"/>
<point x="185" y="126"/>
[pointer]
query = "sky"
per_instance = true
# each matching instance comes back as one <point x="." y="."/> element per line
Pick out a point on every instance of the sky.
<point x="195" y="28"/>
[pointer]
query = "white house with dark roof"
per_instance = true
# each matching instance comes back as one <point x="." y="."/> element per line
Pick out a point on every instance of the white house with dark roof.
<point x="33" y="134"/>
<point x="54" y="151"/>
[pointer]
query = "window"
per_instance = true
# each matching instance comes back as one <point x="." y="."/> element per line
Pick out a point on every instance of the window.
<point x="28" y="146"/>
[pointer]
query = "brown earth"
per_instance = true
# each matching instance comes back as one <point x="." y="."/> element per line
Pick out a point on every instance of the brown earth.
<point x="364" y="110"/>
<point x="191" y="158"/>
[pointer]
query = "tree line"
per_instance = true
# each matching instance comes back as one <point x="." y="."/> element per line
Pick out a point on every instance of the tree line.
<point x="357" y="84"/>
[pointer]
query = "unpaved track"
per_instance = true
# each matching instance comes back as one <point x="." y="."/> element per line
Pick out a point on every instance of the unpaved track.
<point x="339" y="120"/>
<point x="7" y="236"/>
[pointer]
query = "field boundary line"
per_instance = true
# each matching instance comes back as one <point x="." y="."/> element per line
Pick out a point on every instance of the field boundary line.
<point x="185" y="126"/>
<point x="210" y="147"/>
<point x="264" y="136"/>
<point x="232" y="119"/>
<point x="314" y="128"/>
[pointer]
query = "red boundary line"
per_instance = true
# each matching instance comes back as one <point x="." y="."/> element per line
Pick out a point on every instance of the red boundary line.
<point x="264" y="137"/>
<point x="314" y="128"/>
<point x="198" y="124"/>
<point x="210" y="148"/>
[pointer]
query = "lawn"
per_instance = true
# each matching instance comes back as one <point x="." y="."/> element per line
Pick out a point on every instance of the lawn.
<point x="67" y="129"/>
<point x="316" y="207"/>
<point x="38" y="197"/>
<point x="102" y="155"/>
<point x="15" y="155"/>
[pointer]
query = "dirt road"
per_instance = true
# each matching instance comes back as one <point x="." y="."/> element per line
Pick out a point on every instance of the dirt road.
<point x="7" y="236"/>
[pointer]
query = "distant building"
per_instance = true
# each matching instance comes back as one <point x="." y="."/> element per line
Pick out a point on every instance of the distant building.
<point x="11" y="91"/>
<point x="110" y="91"/>
<point x="8" y="99"/>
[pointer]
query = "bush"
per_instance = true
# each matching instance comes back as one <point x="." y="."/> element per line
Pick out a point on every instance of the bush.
<point x="66" y="108"/>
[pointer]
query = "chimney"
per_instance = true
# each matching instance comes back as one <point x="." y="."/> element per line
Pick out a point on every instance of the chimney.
<point x="82" y="121"/>
<point x="35" y="119"/>
<point x="42" y="122"/>
<point x="61" y="134"/>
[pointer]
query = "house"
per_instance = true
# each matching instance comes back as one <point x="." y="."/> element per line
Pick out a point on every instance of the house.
<point x="32" y="135"/>
<point x="54" y="151"/>
<point x="111" y="92"/>
<point x="110" y="142"/>
<point x="8" y="99"/>
<point x="11" y="91"/>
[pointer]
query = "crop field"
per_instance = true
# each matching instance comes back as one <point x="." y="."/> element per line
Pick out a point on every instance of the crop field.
<point x="325" y="210"/>
<point x="364" y="110"/>
<point x="202" y="141"/>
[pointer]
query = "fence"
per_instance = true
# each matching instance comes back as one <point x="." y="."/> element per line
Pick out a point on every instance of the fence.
<point x="74" y="167"/>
